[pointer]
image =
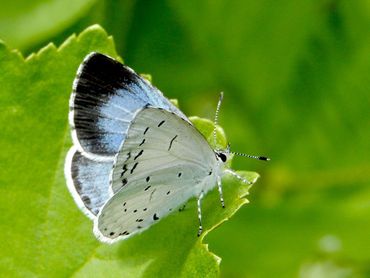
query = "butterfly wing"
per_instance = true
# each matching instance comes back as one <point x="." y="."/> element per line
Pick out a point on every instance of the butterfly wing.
<point x="105" y="97"/>
<point x="163" y="162"/>
<point x="87" y="181"/>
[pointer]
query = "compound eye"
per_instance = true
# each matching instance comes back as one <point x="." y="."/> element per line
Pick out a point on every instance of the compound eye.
<point x="222" y="157"/>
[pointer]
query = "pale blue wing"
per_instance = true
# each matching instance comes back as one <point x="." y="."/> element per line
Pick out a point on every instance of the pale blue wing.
<point x="163" y="162"/>
<point x="87" y="181"/>
<point x="105" y="97"/>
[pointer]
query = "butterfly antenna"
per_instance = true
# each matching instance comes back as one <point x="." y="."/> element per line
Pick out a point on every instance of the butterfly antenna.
<point x="265" y="158"/>
<point x="216" y="117"/>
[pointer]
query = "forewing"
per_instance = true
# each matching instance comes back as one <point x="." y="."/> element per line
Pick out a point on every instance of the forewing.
<point x="87" y="181"/>
<point x="105" y="97"/>
<point x="162" y="163"/>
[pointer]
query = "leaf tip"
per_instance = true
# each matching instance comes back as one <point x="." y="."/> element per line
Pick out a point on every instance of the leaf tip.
<point x="5" y="50"/>
<point x="95" y="27"/>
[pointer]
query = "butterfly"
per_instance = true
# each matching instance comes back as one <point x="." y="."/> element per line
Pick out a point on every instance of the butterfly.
<point x="136" y="156"/>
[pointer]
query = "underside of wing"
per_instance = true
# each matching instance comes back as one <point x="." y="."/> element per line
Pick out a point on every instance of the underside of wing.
<point x="88" y="181"/>
<point x="163" y="162"/>
<point x="156" y="138"/>
<point x="130" y="212"/>
<point x="105" y="97"/>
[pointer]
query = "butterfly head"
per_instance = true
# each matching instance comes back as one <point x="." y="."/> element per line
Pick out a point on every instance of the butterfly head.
<point x="223" y="155"/>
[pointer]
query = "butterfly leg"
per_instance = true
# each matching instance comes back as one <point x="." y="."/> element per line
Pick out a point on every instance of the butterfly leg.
<point x="200" y="213"/>
<point x="219" y="184"/>
<point x="238" y="176"/>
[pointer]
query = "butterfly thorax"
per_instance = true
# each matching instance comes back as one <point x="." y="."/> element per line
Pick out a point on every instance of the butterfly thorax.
<point x="216" y="171"/>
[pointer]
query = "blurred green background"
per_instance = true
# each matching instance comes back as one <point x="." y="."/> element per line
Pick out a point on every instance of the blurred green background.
<point x="296" y="78"/>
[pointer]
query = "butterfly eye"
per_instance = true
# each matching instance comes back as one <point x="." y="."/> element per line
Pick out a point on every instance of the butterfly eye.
<point x="222" y="157"/>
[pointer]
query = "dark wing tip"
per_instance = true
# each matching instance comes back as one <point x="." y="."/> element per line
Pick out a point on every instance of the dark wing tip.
<point x="99" y="71"/>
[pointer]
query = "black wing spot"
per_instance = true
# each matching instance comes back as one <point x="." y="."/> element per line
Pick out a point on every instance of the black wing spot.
<point x="145" y="131"/>
<point x="146" y="188"/>
<point x="124" y="169"/>
<point x="124" y="204"/>
<point x="124" y="182"/>
<point x="142" y="142"/>
<point x="210" y="173"/>
<point x="144" y="209"/>
<point x="155" y="217"/>
<point x="78" y="186"/>
<point x="179" y="174"/>
<point x="139" y="220"/>
<point x="111" y="233"/>
<point x="140" y="153"/>
<point x="139" y="227"/>
<point x="147" y="179"/>
<point x="86" y="200"/>
<point x="135" y="210"/>
<point x="161" y="123"/>
<point x="128" y="156"/>
<point x="168" y="192"/>
<point x="169" y="147"/>
<point x="133" y="168"/>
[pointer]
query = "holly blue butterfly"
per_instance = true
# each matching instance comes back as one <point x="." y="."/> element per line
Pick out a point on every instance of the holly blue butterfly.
<point x="136" y="157"/>
<point x="105" y="97"/>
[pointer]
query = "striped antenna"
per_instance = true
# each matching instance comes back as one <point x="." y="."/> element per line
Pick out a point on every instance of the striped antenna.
<point x="265" y="158"/>
<point x="216" y="117"/>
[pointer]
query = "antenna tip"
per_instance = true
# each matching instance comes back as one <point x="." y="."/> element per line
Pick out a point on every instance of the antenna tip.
<point x="265" y="158"/>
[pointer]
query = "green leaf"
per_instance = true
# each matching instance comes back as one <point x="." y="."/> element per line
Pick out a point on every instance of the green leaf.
<point x="207" y="127"/>
<point x="39" y="224"/>
<point x="43" y="232"/>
